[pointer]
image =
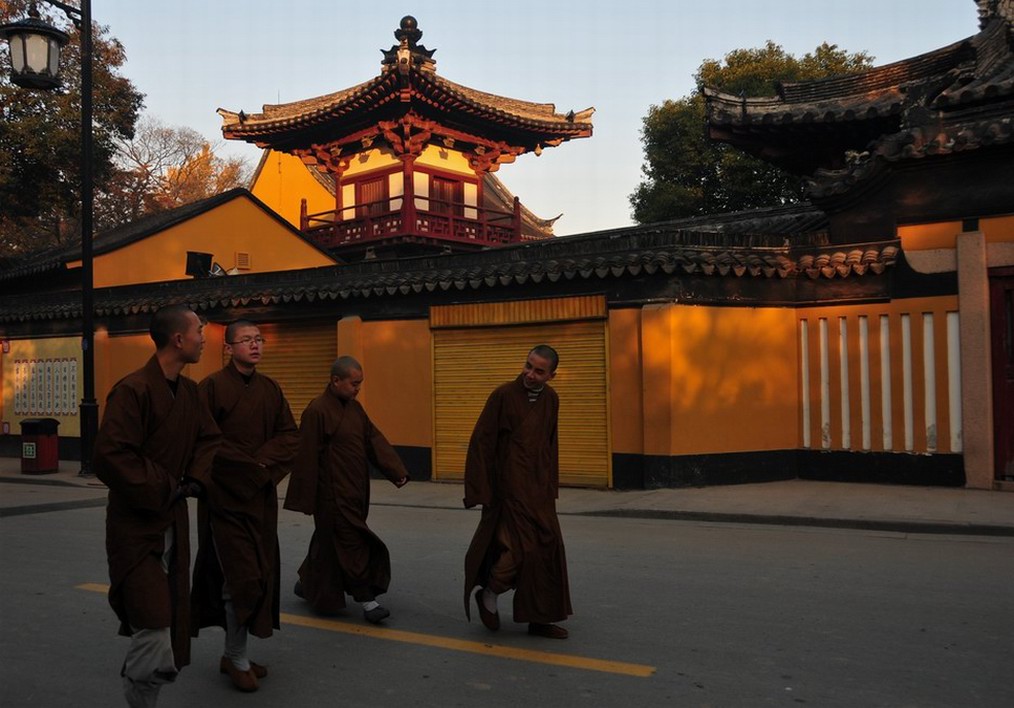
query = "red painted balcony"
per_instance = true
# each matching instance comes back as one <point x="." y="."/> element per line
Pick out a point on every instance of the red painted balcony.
<point x="442" y="225"/>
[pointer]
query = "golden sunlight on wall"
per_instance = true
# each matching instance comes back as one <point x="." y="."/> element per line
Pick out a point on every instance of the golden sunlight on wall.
<point x="238" y="226"/>
<point x="998" y="229"/>
<point x="118" y="355"/>
<point x="881" y="377"/>
<point x="924" y="237"/>
<point x="283" y="181"/>
<point x="718" y="379"/>
<point x="626" y="401"/>
<point x="395" y="355"/>
<point x="444" y="159"/>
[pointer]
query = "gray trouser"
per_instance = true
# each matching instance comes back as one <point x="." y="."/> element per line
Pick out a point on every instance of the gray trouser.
<point x="235" y="633"/>
<point x="150" y="662"/>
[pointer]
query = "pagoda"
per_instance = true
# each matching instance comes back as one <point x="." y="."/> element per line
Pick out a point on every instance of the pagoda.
<point x="409" y="158"/>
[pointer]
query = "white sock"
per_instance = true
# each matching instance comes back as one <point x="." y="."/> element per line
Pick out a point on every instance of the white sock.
<point x="489" y="600"/>
<point x="235" y="638"/>
<point x="372" y="604"/>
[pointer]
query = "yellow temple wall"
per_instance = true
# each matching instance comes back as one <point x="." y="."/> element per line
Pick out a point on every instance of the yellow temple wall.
<point x="237" y="233"/>
<point x="282" y="181"/>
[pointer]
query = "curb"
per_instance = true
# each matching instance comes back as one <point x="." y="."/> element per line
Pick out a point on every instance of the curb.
<point x="923" y="527"/>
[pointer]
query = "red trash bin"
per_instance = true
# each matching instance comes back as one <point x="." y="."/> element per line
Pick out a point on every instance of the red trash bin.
<point x="40" y="450"/>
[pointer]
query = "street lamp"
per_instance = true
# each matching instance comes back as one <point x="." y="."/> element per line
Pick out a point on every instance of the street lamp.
<point x="35" y="61"/>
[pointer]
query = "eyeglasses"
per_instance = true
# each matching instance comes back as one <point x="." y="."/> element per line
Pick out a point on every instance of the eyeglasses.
<point x="247" y="341"/>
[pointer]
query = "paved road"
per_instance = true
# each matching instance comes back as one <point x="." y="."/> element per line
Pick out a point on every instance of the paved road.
<point x="667" y="613"/>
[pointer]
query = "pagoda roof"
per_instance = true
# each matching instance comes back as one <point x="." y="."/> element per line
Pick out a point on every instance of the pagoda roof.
<point x="956" y="97"/>
<point x="407" y="86"/>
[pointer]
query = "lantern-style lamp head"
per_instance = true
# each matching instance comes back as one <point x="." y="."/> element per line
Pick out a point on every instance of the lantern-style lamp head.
<point x="35" y="51"/>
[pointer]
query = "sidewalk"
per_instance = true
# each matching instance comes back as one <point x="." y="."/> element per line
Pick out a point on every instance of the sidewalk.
<point x="905" y="509"/>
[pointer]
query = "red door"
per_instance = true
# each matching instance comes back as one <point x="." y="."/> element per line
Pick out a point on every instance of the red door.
<point x="1001" y="291"/>
<point x="371" y="197"/>
<point x="446" y="197"/>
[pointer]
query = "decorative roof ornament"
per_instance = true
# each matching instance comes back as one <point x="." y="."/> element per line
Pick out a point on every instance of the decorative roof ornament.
<point x="988" y="9"/>
<point x="408" y="53"/>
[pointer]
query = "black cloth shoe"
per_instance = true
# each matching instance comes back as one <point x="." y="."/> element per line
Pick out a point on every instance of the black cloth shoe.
<point x="490" y="619"/>
<point x="552" y="631"/>
<point x="377" y="614"/>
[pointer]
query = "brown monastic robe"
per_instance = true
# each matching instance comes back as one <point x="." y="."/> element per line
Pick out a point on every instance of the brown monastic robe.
<point x="331" y="481"/>
<point x="260" y="441"/>
<point x="512" y="470"/>
<point x="149" y="442"/>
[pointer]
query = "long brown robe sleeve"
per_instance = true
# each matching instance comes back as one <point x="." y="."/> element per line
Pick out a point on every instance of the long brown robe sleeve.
<point x="238" y="518"/>
<point x="331" y="480"/>
<point x="512" y="470"/>
<point x="151" y="441"/>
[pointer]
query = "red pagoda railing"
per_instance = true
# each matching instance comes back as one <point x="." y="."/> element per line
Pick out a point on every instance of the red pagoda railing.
<point x="444" y="221"/>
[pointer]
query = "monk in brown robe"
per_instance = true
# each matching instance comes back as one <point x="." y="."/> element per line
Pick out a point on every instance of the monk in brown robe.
<point x="236" y="581"/>
<point x="331" y="481"/>
<point x="154" y="449"/>
<point x="512" y="470"/>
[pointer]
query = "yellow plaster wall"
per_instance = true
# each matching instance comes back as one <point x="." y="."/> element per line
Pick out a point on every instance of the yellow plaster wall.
<point x="944" y="234"/>
<point x="998" y="229"/>
<point x="398" y="387"/>
<point x="236" y="226"/>
<point x="444" y="159"/>
<point x="116" y="356"/>
<point x="626" y="397"/>
<point x="718" y="379"/>
<point x="283" y="180"/>
<point x="922" y="237"/>
<point x="369" y="160"/>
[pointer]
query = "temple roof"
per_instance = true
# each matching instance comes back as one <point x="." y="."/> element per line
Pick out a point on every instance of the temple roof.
<point x="775" y="244"/>
<point x="408" y="82"/>
<point x="954" y="98"/>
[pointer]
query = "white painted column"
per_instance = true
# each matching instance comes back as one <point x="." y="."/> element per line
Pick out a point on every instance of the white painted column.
<point x="804" y="374"/>
<point x="825" y="387"/>
<point x="954" y="379"/>
<point x="885" y="382"/>
<point x="929" y="375"/>
<point x="864" y="380"/>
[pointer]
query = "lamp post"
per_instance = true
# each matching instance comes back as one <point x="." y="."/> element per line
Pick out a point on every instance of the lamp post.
<point x="35" y="62"/>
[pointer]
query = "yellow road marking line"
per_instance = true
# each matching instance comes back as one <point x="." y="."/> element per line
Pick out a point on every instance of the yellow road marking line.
<point x="464" y="645"/>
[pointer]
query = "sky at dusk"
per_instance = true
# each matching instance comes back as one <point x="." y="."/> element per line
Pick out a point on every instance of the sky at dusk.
<point x="191" y="57"/>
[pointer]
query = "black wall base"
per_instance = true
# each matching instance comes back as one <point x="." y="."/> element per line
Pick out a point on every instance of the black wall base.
<point x="417" y="459"/>
<point x="658" y="472"/>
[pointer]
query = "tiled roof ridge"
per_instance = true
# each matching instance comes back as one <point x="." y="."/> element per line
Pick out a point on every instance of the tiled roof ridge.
<point x="923" y="67"/>
<point x="308" y="111"/>
<point x="539" y="112"/>
<point x="444" y="273"/>
<point x="296" y="111"/>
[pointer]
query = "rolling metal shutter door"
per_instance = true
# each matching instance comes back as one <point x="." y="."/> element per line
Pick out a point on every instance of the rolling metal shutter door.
<point x="470" y="362"/>
<point x="299" y="356"/>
